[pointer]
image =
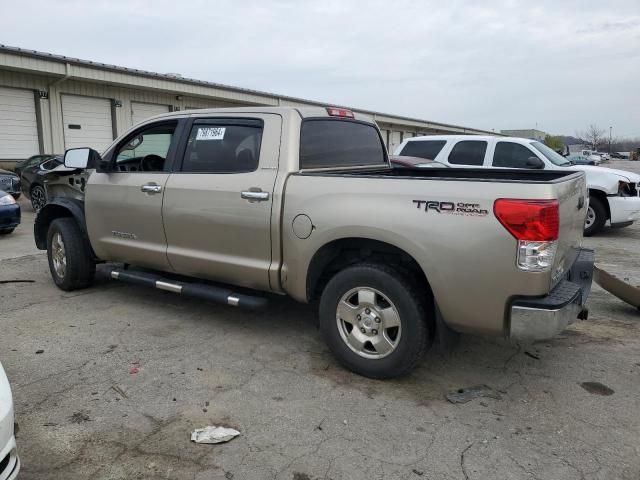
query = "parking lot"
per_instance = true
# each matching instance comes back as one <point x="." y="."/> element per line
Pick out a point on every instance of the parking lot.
<point x="109" y="382"/>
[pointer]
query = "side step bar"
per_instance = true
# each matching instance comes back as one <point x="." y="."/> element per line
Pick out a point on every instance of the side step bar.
<point x="196" y="290"/>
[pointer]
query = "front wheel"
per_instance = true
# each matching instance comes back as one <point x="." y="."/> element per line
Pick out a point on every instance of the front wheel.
<point x="69" y="258"/>
<point x="375" y="321"/>
<point x="596" y="216"/>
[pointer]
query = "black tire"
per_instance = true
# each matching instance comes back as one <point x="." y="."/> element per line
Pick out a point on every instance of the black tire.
<point x="414" y="310"/>
<point x="80" y="267"/>
<point x="16" y="196"/>
<point x="6" y="231"/>
<point x="38" y="197"/>
<point x="597" y="207"/>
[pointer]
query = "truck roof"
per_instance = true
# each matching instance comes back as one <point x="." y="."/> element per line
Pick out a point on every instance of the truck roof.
<point x="304" y="112"/>
<point x="466" y="137"/>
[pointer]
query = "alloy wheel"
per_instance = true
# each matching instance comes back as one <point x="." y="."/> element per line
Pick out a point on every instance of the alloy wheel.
<point x="58" y="255"/>
<point x="368" y="322"/>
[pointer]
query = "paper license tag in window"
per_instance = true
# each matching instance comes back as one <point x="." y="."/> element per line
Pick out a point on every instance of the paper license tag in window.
<point x="210" y="133"/>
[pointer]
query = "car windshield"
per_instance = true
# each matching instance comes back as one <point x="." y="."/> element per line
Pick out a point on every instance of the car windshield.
<point x="552" y="156"/>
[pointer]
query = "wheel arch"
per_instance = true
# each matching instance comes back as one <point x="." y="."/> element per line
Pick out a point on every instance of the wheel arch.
<point x="60" y="208"/>
<point x="602" y="196"/>
<point x="340" y="253"/>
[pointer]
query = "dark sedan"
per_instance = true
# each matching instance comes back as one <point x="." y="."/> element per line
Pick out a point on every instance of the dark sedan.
<point x="10" y="183"/>
<point x="9" y="213"/>
<point x="30" y="162"/>
<point x="33" y="185"/>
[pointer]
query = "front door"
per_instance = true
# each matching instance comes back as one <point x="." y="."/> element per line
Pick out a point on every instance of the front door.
<point x="217" y="204"/>
<point x="124" y="205"/>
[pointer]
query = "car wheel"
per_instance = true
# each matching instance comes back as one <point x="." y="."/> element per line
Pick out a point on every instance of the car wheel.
<point x="38" y="197"/>
<point x="375" y="321"/>
<point x="6" y="231"/>
<point x="16" y="196"/>
<point x="596" y="216"/>
<point x="69" y="258"/>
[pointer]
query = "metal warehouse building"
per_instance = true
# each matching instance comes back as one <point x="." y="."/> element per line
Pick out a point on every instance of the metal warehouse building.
<point x="49" y="103"/>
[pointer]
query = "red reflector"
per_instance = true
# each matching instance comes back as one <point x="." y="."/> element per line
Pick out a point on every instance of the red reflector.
<point x="536" y="220"/>
<point x="339" y="112"/>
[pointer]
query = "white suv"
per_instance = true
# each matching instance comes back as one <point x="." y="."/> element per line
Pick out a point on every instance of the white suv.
<point x="613" y="194"/>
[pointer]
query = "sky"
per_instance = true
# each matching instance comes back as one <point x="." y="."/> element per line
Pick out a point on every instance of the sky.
<point x="558" y="66"/>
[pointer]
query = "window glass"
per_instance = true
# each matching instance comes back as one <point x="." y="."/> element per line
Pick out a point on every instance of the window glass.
<point x="339" y="143"/>
<point x="511" y="155"/>
<point x="147" y="150"/>
<point x="468" y="152"/>
<point x="423" y="148"/>
<point x="551" y="155"/>
<point x="223" y="148"/>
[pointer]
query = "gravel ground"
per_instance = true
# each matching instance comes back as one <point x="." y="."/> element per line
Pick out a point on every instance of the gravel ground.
<point x="126" y="373"/>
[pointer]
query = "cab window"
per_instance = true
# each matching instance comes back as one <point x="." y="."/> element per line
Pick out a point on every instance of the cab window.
<point x="225" y="146"/>
<point x="468" y="152"/>
<point x="146" y="150"/>
<point x="511" y="155"/>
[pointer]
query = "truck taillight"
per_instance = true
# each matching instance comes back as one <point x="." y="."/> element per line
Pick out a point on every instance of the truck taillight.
<point x="535" y="224"/>
<point x="339" y="112"/>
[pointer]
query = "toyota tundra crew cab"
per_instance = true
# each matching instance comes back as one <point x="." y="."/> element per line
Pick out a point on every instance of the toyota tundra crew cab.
<point x="224" y="204"/>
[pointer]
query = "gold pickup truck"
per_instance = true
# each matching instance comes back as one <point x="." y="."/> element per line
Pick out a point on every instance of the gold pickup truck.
<point x="224" y="204"/>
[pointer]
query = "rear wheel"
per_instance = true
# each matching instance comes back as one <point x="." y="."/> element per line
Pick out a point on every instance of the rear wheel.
<point x="374" y="320"/>
<point x="596" y="216"/>
<point x="38" y="198"/>
<point x="69" y="258"/>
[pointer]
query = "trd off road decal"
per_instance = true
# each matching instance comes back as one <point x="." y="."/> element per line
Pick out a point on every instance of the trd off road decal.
<point x="451" y="208"/>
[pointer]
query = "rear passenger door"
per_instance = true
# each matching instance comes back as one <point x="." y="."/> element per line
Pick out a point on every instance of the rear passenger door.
<point x="217" y="203"/>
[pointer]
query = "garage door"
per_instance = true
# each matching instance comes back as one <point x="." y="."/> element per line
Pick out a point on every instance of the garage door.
<point x="385" y="136"/>
<point x="396" y="139"/>
<point x="87" y="122"/>
<point x="18" y="127"/>
<point x="142" y="111"/>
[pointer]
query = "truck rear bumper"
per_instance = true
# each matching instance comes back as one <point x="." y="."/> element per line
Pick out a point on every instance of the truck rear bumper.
<point x="538" y="318"/>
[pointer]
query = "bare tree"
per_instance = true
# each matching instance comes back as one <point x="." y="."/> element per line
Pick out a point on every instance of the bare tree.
<point x="594" y="136"/>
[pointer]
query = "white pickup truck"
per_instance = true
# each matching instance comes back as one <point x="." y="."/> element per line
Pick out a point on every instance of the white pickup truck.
<point x="614" y="195"/>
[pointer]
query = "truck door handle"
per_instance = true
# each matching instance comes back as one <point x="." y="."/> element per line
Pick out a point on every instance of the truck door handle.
<point x="256" y="195"/>
<point x="151" y="188"/>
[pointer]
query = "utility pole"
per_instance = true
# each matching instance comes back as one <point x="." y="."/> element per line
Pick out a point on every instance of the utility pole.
<point x="610" y="140"/>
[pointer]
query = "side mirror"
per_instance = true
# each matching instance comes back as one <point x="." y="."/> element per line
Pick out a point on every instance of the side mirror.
<point x="534" y="163"/>
<point x="81" y="158"/>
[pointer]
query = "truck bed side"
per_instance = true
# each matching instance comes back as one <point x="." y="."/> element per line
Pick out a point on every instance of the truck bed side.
<point x="467" y="256"/>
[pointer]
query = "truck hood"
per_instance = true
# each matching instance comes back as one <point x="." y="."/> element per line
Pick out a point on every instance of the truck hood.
<point x="593" y="171"/>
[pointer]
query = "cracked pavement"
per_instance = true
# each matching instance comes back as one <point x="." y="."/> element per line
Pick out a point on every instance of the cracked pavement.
<point x="82" y="413"/>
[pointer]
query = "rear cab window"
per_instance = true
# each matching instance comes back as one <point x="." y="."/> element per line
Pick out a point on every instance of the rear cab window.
<point x="335" y="143"/>
<point x="468" y="152"/>
<point x="428" y="149"/>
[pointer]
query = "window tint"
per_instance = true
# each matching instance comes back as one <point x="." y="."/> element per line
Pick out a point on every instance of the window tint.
<point x="339" y="143"/>
<point x="423" y="148"/>
<point x="468" y="152"/>
<point x="511" y="155"/>
<point x="147" y="150"/>
<point x="223" y="147"/>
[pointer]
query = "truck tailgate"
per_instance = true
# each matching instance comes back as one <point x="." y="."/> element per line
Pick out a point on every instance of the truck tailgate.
<point x="572" y="198"/>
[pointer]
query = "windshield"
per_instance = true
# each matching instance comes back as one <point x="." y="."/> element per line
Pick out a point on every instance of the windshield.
<point x="552" y="156"/>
